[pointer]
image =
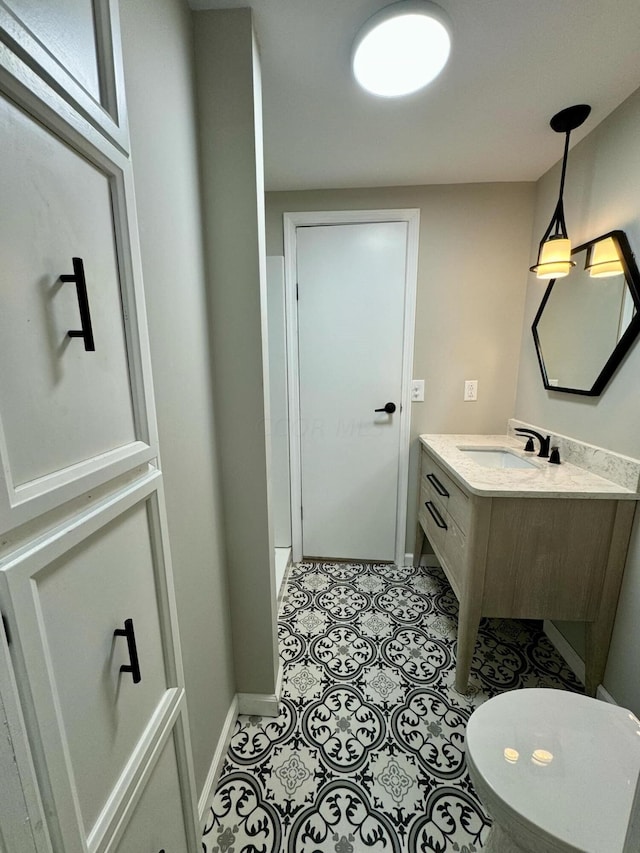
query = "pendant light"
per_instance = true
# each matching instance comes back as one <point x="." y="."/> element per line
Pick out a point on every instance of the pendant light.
<point x="603" y="259"/>
<point x="401" y="48"/>
<point x="554" y="254"/>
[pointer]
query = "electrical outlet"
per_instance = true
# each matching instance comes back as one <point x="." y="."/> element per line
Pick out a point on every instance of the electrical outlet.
<point x="417" y="391"/>
<point x="470" y="390"/>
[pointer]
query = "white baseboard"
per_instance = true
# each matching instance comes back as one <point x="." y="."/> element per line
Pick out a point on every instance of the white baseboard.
<point x="219" y="755"/>
<point x="565" y="649"/>
<point x="283" y="563"/>
<point x="262" y="704"/>
<point x="572" y="658"/>
<point x="425" y="560"/>
<point x="258" y="704"/>
<point x="605" y="695"/>
<point x="282" y="572"/>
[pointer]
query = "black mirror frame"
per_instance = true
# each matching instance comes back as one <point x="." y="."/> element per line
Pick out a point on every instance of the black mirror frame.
<point x="624" y="344"/>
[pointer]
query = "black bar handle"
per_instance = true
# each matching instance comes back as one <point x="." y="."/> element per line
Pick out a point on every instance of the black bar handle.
<point x="437" y="485"/>
<point x="435" y="515"/>
<point x="389" y="408"/>
<point x="86" y="332"/>
<point x="134" y="665"/>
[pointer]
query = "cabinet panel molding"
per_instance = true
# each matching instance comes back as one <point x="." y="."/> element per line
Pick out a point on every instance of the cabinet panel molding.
<point x="22" y="816"/>
<point x="155" y="814"/>
<point x="168" y="732"/>
<point x="59" y="590"/>
<point x="69" y="52"/>
<point x="83" y="531"/>
<point x="69" y="420"/>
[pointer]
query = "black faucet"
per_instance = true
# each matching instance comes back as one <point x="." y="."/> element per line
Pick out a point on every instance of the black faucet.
<point x="545" y="441"/>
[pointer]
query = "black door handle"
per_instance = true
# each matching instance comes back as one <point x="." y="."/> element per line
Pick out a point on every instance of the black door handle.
<point x="389" y="408"/>
<point x="86" y="332"/>
<point x="134" y="666"/>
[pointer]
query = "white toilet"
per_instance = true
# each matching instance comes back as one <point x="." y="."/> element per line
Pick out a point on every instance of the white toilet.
<point x="556" y="771"/>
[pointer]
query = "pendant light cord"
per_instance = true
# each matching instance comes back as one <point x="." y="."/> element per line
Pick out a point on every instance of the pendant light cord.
<point x="557" y="226"/>
<point x="565" y="157"/>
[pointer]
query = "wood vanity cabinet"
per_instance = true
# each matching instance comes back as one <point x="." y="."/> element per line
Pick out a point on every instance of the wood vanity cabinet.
<point x="525" y="558"/>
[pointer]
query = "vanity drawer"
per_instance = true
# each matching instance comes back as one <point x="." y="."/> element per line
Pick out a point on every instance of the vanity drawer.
<point x="444" y="492"/>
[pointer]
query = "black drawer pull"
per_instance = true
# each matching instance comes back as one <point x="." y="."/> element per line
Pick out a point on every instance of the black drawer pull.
<point x="86" y="332"/>
<point x="134" y="665"/>
<point x="435" y="515"/>
<point x="437" y="485"/>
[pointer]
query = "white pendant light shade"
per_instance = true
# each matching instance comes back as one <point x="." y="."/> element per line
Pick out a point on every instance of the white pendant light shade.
<point x="402" y="48"/>
<point x="603" y="259"/>
<point x="554" y="258"/>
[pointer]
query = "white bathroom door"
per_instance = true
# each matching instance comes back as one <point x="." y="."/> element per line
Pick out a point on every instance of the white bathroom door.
<point x="351" y="307"/>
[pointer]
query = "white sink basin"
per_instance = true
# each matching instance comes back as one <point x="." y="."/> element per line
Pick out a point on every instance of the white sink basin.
<point x="496" y="457"/>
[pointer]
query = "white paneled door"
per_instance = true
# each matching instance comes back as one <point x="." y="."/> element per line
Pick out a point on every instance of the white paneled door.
<point x="351" y="314"/>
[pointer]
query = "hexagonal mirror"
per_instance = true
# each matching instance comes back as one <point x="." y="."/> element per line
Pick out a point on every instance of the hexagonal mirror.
<point x="588" y="320"/>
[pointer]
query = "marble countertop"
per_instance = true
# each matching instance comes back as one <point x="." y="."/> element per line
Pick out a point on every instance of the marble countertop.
<point x="543" y="480"/>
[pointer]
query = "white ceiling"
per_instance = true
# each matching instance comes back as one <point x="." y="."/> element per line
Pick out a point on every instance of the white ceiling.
<point x="513" y="64"/>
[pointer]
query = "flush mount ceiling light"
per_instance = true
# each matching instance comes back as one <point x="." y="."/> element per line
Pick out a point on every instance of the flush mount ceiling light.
<point x="401" y="48"/>
<point x="554" y="254"/>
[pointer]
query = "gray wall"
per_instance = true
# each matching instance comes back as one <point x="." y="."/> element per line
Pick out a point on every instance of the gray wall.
<point x="159" y="86"/>
<point x="601" y="194"/>
<point x="471" y="289"/>
<point x="230" y="123"/>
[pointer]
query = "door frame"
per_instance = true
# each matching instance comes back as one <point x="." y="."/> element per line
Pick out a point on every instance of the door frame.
<point x="349" y="217"/>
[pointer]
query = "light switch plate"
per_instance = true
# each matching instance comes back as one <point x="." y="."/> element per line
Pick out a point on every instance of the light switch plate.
<point x="417" y="391"/>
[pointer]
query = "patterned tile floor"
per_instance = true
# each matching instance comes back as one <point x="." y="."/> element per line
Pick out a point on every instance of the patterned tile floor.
<point x="368" y="751"/>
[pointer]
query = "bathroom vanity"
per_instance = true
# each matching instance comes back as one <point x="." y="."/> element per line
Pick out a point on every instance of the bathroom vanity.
<point x="527" y="541"/>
